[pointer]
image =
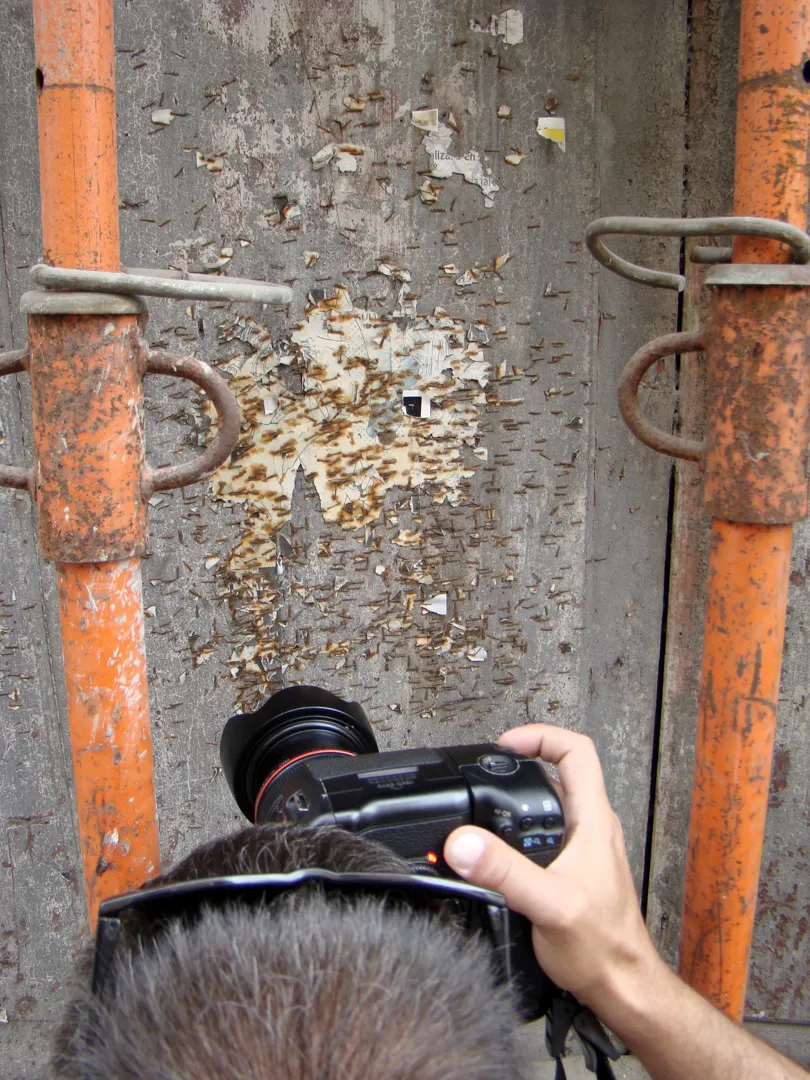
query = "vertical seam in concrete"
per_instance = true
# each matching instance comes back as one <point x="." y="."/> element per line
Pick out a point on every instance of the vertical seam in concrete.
<point x="660" y="688"/>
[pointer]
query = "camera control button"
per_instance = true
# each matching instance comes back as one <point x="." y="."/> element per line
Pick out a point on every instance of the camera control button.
<point x="526" y="823"/>
<point x="498" y="764"/>
<point x="550" y="821"/>
<point x="506" y="831"/>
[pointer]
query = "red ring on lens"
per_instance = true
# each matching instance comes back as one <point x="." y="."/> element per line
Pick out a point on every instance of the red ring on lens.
<point x="292" y="761"/>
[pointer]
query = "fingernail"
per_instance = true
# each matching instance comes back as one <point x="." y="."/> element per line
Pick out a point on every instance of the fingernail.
<point x="464" y="852"/>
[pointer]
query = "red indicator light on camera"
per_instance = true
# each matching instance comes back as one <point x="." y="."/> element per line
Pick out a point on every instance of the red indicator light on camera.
<point x="432" y="858"/>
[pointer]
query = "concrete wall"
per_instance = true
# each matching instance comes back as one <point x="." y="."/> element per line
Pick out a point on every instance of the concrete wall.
<point x="522" y="497"/>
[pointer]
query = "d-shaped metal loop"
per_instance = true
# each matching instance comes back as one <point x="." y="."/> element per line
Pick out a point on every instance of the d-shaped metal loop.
<point x="227" y="436"/>
<point x="797" y="240"/>
<point x="634" y="372"/>
<point x="15" y="476"/>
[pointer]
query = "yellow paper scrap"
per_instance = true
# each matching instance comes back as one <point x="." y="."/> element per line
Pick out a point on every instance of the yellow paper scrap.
<point x="552" y="128"/>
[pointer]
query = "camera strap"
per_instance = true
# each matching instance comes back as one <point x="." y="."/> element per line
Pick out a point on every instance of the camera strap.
<point x="564" y="1014"/>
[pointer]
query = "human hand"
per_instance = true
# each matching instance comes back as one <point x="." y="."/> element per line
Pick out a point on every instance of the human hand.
<point x="588" y="932"/>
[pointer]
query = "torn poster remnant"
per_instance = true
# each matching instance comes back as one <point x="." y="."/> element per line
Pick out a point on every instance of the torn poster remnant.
<point x="352" y="426"/>
<point x="553" y="129"/>
<point x="508" y="25"/>
<point x="442" y="163"/>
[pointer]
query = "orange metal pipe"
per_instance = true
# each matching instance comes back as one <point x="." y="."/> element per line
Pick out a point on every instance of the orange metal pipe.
<point x="100" y="606"/>
<point x="748" y="564"/>
<point x="744" y="629"/>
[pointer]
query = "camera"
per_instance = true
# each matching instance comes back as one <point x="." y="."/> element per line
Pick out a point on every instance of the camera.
<point x="306" y="757"/>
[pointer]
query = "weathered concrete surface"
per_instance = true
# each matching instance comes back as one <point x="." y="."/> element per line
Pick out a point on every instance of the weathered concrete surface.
<point x="553" y="560"/>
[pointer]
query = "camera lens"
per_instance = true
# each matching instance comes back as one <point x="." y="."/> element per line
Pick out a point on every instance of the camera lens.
<point x="300" y="721"/>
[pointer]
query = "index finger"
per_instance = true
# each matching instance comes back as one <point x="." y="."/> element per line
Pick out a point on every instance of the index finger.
<point x="577" y="762"/>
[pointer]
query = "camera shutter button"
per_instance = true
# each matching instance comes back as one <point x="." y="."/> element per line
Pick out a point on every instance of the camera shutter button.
<point x="498" y="764"/>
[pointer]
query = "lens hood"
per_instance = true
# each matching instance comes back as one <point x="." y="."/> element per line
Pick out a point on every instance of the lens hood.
<point x="294" y="721"/>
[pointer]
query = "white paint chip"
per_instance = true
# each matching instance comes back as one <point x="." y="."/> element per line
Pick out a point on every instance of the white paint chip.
<point x="321" y="158"/>
<point x="553" y="129"/>
<point x="514" y="158"/>
<point x="437" y="604"/>
<point x="407" y="538"/>
<point x="162" y="117"/>
<point x="508" y="25"/>
<point x="504" y="112"/>
<point x="403" y="110"/>
<point x="477" y="656"/>
<point x="425" y="119"/>
<point x="212" y="162"/>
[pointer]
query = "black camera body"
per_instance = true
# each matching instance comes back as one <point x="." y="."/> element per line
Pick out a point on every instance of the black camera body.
<point x="308" y="758"/>
<point x="411" y="800"/>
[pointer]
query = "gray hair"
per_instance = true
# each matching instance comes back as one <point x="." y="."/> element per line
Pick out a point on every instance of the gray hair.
<point x="308" y="987"/>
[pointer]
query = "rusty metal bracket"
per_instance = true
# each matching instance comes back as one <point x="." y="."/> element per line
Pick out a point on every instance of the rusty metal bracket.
<point x="227" y="436"/>
<point x="640" y="363"/>
<point x="797" y="240"/>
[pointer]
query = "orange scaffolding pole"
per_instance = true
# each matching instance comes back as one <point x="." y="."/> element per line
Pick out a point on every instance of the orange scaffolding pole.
<point x="749" y="564"/>
<point x="87" y="409"/>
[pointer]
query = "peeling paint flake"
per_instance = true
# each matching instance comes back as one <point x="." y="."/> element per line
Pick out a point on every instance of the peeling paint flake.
<point x="162" y="117"/>
<point x="508" y="25"/>
<point x="437" y="605"/>
<point x="426" y="119"/>
<point x="321" y="158"/>
<point x="553" y="129"/>
<point x="346" y="426"/>
<point x="212" y="162"/>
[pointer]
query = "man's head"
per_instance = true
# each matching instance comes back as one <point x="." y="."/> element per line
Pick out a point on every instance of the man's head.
<point x="309" y="986"/>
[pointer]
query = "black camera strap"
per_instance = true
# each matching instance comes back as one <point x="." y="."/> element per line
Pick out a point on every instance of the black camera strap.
<point x="564" y="1014"/>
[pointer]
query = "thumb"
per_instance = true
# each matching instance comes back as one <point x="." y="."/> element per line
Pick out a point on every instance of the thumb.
<point x="485" y="860"/>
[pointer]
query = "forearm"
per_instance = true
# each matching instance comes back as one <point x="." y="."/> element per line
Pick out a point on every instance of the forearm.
<point x="677" y="1035"/>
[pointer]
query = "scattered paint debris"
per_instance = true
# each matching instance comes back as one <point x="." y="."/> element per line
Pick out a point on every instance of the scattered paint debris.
<point x="553" y="129"/>
<point x="310" y="258"/>
<point x="501" y="261"/>
<point x="429" y="193"/>
<point x="407" y="538"/>
<point x="514" y="158"/>
<point x="321" y="158"/>
<point x="443" y="164"/>
<point x="353" y="104"/>
<point x="426" y="119"/>
<point x="346" y="427"/>
<point x="469" y="277"/>
<point x="162" y="117"/>
<point x="477" y="656"/>
<point x="504" y="112"/>
<point x="345" y="162"/>
<point x="508" y="25"/>
<point x="403" y="110"/>
<point x="212" y="162"/>
<point x="437" y="604"/>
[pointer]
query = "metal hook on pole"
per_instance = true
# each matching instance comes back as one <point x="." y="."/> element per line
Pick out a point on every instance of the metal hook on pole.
<point x="754" y="460"/>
